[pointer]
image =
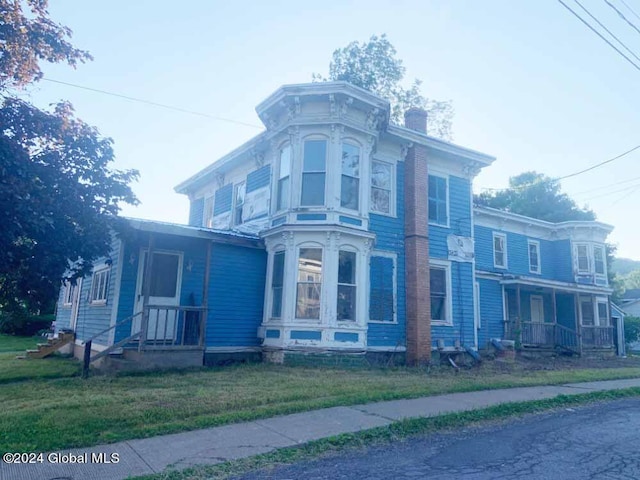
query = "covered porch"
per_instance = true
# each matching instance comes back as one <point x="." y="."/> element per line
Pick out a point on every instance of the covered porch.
<point x="550" y="315"/>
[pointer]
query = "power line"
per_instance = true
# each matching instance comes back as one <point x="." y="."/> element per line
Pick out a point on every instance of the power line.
<point x="574" y="174"/>
<point x="599" y="34"/>
<point x="630" y="9"/>
<point x="621" y="15"/>
<point x="155" y="104"/>
<point x="602" y="187"/>
<point x="624" y="196"/>
<point x="607" y="30"/>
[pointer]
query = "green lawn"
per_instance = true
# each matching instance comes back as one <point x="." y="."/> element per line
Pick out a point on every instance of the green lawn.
<point x="51" y="413"/>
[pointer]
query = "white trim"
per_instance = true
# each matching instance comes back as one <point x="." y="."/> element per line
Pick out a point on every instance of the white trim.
<point x="394" y="258"/>
<point x="232" y="349"/>
<point x="75" y="305"/>
<point x="392" y="192"/>
<point x="100" y="302"/>
<point x="116" y="293"/>
<point x="537" y="245"/>
<point x="445" y="177"/>
<point x="570" y="287"/>
<point x="477" y="314"/>
<point x="387" y="349"/>
<point x="446" y="265"/>
<point x="605" y="301"/>
<point x="505" y="257"/>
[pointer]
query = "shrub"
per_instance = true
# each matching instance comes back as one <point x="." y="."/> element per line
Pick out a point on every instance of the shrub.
<point x="631" y="329"/>
<point x="24" y="325"/>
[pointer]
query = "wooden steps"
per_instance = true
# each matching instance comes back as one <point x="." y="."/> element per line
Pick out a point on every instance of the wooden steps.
<point x="54" y="344"/>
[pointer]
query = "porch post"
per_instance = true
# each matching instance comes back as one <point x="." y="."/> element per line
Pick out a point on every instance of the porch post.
<point x="519" y="317"/>
<point x="205" y="295"/>
<point x="578" y="323"/>
<point x="145" y="290"/>
<point x="555" y="316"/>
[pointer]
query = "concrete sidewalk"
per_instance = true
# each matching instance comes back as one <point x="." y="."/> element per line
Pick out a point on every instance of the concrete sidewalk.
<point x="220" y="444"/>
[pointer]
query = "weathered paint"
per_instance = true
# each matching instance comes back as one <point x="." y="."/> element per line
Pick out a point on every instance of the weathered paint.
<point x="223" y="199"/>
<point x="259" y="178"/>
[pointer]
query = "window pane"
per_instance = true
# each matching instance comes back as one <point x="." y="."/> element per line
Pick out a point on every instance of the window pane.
<point x="310" y="265"/>
<point x="276" y="309"/>
<point x="441" y="188"/>
<point x="438" y="307"/>
<point x="433" y="210"/>
<point x="587" y="312"/>
<point x="442" y="212"/>
<point x="308" y="301"/>
<point x="381" y="175"/>
<point x="602" y="314"/>
<point x="350" y="192"/>
<point x="350" y="160"/>
<point x="285" y="162"/>
<point x="164" y="279"/>
<point x="283" y="193"/>
<point x="347" y="267"/>
<point x="380" y="200"/>
<point x="346" y="302"/>
<point x="438" y="281"/>
<point x="312" y="189"/>
<point x="278" y="269"/>
<point x="315" y="154"/>
<point x="598" y="260"/>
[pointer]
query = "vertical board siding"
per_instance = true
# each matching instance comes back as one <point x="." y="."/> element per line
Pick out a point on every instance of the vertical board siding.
<point x="259" y="178"/>
<point x="491" y="312"/>
<point x="223" y="199"/>
<point x="94" y="318"/>
<point x="390" y="237"/>
<point x="461" y="273"/>
<point x="236" y="296"/>
<point x="196" y="212"/>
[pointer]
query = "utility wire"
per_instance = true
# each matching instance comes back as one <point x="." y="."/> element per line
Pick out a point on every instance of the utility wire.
<point x="630" y="9"/>
<point x="622" y="15"/>
<point x="624" y="196"/>
<point x="599" y="34"/>
<point x="570" y="175"/>
<point x="155" y="104"/>
<point x="602" y="187"/>
<point x="607" y="30"/>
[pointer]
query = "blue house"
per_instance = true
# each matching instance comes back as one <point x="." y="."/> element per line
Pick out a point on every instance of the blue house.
<point x="335" y="231"/>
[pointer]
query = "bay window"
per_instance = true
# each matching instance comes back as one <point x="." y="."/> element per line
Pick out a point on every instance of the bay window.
<point x="277" y="283"/>
<point x="313" y="173"/>
<point x="346" y="307"/>
<point x="350" y="182"/>
<point x="309" y="285"/>
<point x="284" y="172"/>
<point x="582" y="251"/>
<point x="598" y="259"/>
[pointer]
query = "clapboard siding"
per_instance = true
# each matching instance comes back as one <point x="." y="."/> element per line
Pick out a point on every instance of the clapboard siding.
<point x="491" y="312"/>
<point x="390" y="238"/>
<point x="63" y="313"/>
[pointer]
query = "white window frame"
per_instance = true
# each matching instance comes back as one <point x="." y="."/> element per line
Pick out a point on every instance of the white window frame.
<point x="447" y="200"/>
<point x="279" y="178"/>
<point x="582" y="299"/>
<point x="99" y="297"/>
<point x="536" y="243"/>
<point x="607" y="320"/>
<point x="392" y="189"/>
<point x="394" y="259"/>
<point x="207" y="211"/>
<point x="235" y="205"/>
<point x="354" y="284"/>
<point x="604" y="260"/>
<point x="327" y="155"/>
<point x="322" y="278"/>
<point x="505" y="257"/>
<point x="445" y="265"/>
<point x="358" y="178"/>
<point x="271" y="287"/>
<point x="588" y="256"/>
<point x="67" y="299"/>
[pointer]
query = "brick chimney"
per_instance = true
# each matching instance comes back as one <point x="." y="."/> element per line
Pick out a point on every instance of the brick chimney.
<point x="416" y="242"/>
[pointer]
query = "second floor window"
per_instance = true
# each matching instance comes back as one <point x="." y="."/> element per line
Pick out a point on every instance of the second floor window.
<point x="380" y="187"/>
<point x="438" y="200"/>
<point x="582" y="253"/>
<point x="499" y="250"/>
<point x="534" y="256"/>
<point x="598" y="259"/>
<point x="313" y="173"/>
<point x="284" y="172"/>
<point x="350" y="184"/>
<point x="238" y="203"/>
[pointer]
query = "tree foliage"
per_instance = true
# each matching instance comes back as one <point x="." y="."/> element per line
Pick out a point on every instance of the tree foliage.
<point x="59" y="196"/>
<point x="374" y="66"/>
<point x="535" y="195"/>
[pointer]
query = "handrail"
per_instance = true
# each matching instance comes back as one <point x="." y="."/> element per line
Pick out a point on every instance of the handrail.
<point x="121" y="322"/>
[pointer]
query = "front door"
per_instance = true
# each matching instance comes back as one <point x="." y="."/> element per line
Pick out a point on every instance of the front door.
<point x="164" y="291"/>
<point x="538" y="329"/>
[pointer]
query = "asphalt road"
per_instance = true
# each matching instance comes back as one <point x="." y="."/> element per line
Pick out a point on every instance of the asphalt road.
<point x="591" y="442"/>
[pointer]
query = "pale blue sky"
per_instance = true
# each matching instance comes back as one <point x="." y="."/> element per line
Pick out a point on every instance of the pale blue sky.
<point x="530" y="84"/>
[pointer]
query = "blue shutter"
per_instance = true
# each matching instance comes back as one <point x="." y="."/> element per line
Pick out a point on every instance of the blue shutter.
<point x="381" y="292"/>
<point x="224" y="197"/>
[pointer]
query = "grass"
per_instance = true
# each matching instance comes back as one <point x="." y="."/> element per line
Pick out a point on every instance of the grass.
<point x="398" y="431"/>
<point x="54" y="408"/>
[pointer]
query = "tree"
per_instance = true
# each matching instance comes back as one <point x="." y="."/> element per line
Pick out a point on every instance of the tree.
<point x="59" y="196"/>
<point x="535" y="195"/>
<point x="373" y="65"/>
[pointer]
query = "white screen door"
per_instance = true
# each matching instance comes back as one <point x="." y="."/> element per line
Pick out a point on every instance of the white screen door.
<point x="164" y="291"/>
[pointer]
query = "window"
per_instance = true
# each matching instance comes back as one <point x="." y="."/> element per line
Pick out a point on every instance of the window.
<point x="208" y="212"/>
<point x="499" y="250"/>
<point x="346" y="286"/>
<point x="603" y="312"/>
<point x="69" y="290"/>
<point x="438" y="200"/>
<point x="534" y="256"/>
<point x="284" y="172"/>
<point x="440" y="305"/>
<point x="586" y="310"/>
<point x="381" y="187"/>
<point x="582" y="253"/>
<point x="382" y="288"/>
<point x="164" y="275"/>
<point x="598" y="259"/>
<point x="313" y="172"/>
<point x="99" y="286"/>
<point x="238" y="202"/>
<point x="350" y="184"/>
<point x="309" y="283"/>
<point x="277" y="282"/>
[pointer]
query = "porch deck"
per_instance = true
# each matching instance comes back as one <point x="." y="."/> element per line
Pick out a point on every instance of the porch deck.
<point x="540" y="335"/>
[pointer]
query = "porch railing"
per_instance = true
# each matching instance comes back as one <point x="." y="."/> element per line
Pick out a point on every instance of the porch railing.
<point x="538" y="333"/>
<point x="172" y="327"/>
<point x="597" y="337"/>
